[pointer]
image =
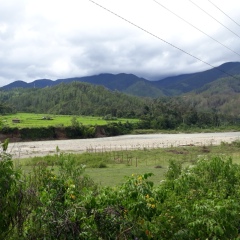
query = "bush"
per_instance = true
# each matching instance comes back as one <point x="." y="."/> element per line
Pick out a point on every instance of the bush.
<point x="102" y="165"/>
<point x="38" y="133"/>
<point x="59" y="212"/>
<point x="115" y="129"/>
<point x="236" y="143"/>
<point x="197" y="202"/>
<point x="10" y="194"/>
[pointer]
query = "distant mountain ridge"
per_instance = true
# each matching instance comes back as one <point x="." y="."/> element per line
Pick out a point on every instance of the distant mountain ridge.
<point x="188" y="82"/>
<point x="131" y="84"/>
<point x="121" y="82"/>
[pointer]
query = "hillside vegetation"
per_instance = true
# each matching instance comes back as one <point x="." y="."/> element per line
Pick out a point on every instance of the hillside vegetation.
<point x="74" y="99"/>
<point x="177" y="85"/>
<point x="78" y="98"/>
<point x="220" y="96"/>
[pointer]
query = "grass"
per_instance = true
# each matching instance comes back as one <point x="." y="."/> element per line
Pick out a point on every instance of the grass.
<point x="110" y="168"/>
<point x="37" y="120"/>
<point x="190" y="129"/>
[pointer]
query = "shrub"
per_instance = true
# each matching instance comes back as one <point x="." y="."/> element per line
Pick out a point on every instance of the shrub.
<point x="10" y="200"/>
<point x="60" y="213"/>
<point x="102" y="165"/>
<point x="38" y="133"/>
<point x="197" y="202"/>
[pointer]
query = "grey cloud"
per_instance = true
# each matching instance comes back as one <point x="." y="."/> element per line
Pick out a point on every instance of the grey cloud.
<point x="35" y="46"/>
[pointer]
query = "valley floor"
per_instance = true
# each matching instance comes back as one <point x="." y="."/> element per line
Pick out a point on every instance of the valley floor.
<point x="125" y="142"/>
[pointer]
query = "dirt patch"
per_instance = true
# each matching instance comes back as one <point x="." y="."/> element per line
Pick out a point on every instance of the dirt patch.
<point x="205" y="149"/>
<point x="100" y="132"/>
<point x="177" y="152"/>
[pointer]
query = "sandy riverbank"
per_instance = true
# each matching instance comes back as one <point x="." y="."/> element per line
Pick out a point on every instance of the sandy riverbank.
<point x="126" y="142"/>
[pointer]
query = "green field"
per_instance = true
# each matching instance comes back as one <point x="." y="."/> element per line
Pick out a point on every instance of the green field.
<point x="155" y="161"/>
<point x="45" y="120"/>
<point x="111" y="168"/>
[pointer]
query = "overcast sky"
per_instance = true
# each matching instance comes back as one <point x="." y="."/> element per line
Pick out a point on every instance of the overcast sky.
<point x="72" y="38"/>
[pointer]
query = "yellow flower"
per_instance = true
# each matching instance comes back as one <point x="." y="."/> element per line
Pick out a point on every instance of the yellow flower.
<point x="72" y="196"/>
<point x="153" y="206"/>
<point x="147" y="196"/>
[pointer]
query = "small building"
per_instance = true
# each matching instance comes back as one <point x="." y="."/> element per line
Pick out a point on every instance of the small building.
<point x="15" y="120"/>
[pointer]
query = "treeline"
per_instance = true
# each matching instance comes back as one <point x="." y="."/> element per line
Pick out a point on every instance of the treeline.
<point x="77" y="131"/>
<point x="5" y="109"/>
<point x="85" y="99"/>
<point x="74" y="99"/>
<point x="173" y="113"/>
<point x="221" y="96"/>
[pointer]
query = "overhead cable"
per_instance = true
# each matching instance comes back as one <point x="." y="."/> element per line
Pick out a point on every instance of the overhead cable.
<point x="214" y="18"/>
<point x="224" y="13"/>
<point x="159" y="38"/>
<point x="195" y="27"/>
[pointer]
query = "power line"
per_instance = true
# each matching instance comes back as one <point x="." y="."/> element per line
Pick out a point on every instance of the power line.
<point x="195" y="27"/>
<point x="214" y="18"/>
<point x="224" y="13"/>
<point x="152" y="34"/>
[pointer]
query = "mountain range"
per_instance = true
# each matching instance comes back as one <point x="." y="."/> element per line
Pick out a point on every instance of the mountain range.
<point x="134" y="85"/>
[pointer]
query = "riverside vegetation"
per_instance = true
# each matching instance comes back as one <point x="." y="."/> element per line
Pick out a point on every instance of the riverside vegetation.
<point x="53" y="198"/>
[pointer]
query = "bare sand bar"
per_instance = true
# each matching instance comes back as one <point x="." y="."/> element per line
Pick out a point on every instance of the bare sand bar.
<point x="125" y="142"/>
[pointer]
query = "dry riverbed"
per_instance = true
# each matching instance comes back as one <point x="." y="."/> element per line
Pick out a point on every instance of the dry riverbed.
<point x="126" y="142"/>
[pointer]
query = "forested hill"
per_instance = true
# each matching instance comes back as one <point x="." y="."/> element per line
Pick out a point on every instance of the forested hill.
<point x="131" y="84"/>
<point x="221" y="96"/>
<point x="184" y="83"/>
<point x="126" y="83"/>
<point x="79" y="98"/>
<point x="74" y="98"/>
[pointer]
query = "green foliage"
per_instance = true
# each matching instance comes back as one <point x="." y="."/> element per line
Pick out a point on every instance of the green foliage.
<point x="114" y="129"/>
<point x="76" y="130"/>
<point x="74" y="122"/>
<point x="201" y="203"/>
<point x="5" y="109"/>
<point x="236" y="143"/>
<point x="37" y="133"/>
<point x="56" y="200"/>
<point x="109" y="117"/>
<point x="174" y="170"/>
<point x="177" y="113"/>
<point x="76" y="98"/>
<point x="162" y="113"/>
<point x="221" y="96"/>
<point x="56" y="210"/>
<point x="39" y="120"/>
<point x="10" y="198"/>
